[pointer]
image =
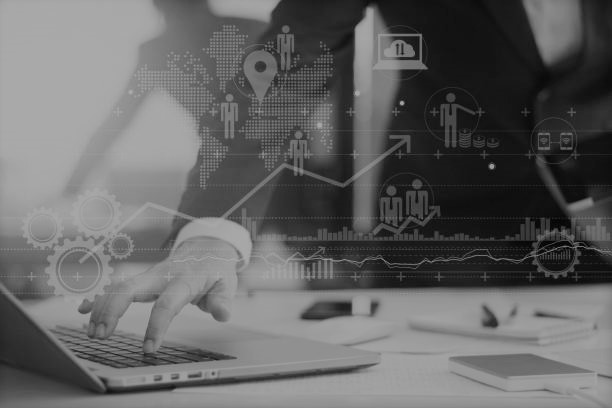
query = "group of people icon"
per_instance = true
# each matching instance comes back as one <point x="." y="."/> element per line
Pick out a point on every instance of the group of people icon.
<point x="395" y="208"/>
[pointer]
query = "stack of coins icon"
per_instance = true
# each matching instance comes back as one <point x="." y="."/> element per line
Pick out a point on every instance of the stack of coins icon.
<point x="492" y="142"/>
<point x="465" y="138"/>
<point x="479" y="141"/>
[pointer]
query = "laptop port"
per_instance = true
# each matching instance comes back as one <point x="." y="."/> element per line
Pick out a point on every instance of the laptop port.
<point x="174" y="376"/>
<point x="157" y="377"/>
<point x="212" y="374"/>
<point x="136" y="380"/>
<point x="195" y="375"/>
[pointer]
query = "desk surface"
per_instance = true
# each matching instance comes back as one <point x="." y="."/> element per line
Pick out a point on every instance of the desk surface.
<point x="278" y="311"/>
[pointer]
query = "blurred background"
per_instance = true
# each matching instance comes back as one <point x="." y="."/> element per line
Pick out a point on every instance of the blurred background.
<point x="64" y="64"/>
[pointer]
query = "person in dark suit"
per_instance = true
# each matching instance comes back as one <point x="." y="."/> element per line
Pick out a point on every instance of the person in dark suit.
<point x="521" y="60"/>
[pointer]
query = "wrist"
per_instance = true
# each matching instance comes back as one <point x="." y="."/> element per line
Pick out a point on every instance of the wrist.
<point x="218" y="229"/>
<point x="211" y="250"/>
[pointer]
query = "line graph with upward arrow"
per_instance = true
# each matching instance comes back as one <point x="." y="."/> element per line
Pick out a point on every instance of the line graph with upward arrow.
<point x="404" y="141"/>
<point x="434" y="211"/>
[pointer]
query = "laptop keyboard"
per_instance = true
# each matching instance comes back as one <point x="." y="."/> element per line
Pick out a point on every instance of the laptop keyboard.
<point x="123" y="350"/>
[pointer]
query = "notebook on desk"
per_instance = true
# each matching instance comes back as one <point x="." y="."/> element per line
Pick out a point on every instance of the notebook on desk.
<point x="523" y="328"/>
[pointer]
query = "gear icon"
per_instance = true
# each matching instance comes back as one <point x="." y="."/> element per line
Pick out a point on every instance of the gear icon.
<point x="96" y="213"/>
<point x="120" y="246"/>
<point x="42" y="228"/>
<point x="555" y="254"/>
<point x="78" y="268"/>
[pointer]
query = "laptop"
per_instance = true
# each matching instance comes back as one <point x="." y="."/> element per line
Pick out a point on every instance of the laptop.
<point x="400" y="51"/>
<point x="118" y="364"/>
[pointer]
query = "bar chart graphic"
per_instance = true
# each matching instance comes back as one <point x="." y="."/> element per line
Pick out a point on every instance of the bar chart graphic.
<point x="530" y="230"/>
<point x="320" y="269"/>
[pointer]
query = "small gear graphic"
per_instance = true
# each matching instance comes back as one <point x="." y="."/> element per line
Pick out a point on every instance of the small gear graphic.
<point x="42" y="228"/>
<point x="77" y="268"/>
<point x="555" y="254"/>
<point x="96" y="213"/>
<point x="120" y="246"/>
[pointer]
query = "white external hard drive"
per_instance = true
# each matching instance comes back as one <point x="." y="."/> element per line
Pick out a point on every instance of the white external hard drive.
<point x="521" y="372"/>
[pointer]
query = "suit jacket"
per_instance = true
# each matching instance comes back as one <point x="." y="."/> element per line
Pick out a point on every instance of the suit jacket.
<point x="485" y="47"/>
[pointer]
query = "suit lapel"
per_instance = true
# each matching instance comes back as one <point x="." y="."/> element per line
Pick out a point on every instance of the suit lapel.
<point x="512" y="20"/>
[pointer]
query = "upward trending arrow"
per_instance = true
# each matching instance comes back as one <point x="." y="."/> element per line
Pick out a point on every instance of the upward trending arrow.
<point x="434" y="212"/>
<point x="405" y="138"/>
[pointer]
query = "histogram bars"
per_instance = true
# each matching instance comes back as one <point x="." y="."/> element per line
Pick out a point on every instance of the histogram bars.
<point x="529" y="232"/>
<point x="319" y="269"/>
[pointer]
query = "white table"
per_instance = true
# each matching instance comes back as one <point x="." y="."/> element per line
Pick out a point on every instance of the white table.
<point x="278" y="311"/>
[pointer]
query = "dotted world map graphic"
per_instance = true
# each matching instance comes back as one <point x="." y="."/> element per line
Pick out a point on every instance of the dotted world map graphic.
<point x="298" y="98"/>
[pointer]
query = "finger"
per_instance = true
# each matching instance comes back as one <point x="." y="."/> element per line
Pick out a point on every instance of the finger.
<point x="98" y="303"/>
<point x="149" y="284"/>
<point x="218" y="301"/>
<point x="85" y="307"/>
<point x="114" y="306"/>
<point x="108" y="309"/>
<point x="176" y="295"/>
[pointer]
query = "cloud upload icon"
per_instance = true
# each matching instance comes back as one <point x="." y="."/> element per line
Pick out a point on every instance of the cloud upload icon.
<point x="399" y="49"/>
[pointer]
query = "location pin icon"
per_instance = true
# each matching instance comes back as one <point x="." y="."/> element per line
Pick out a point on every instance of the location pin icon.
<point x="260" y="68"/>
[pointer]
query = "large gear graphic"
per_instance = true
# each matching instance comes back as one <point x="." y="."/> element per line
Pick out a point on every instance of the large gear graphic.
<point x="70" y="277"/>
<point x="120" y="246"/>
<point x="96" y="213"/>
<point x="553" y="263"/>
<point x="42" y="228"/>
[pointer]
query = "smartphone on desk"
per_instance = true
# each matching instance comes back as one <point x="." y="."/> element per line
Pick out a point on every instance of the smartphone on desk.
<point x="325" y="309"/>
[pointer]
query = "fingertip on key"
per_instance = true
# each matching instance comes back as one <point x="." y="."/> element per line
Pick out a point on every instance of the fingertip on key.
<point x="100" y="331"/>
<point x="91" y="329"/>
<point x="148" y="347"/>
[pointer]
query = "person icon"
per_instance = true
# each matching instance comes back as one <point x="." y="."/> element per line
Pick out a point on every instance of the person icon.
<point x="229" y="115"/>
<point x="417" y="200"/>
<point x="298" y="151"/>
<point x="285" y="46"/>
<point x="448" y="119"/>
<point x="391" y="207"/>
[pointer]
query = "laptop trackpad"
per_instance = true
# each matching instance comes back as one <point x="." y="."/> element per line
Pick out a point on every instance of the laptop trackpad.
<point x="214" y="332"/>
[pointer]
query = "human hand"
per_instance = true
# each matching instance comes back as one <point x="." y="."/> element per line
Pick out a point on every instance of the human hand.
<point x="201" y="271"/>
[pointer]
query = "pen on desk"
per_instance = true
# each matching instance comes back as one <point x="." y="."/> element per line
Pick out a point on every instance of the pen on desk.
<point x="555" y="315"/>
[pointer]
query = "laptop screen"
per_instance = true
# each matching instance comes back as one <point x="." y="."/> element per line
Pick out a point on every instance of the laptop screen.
<point x="399" y="47"/>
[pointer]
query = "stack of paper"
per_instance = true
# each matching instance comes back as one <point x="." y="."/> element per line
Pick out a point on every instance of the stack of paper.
<point x="525" y="328"/>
